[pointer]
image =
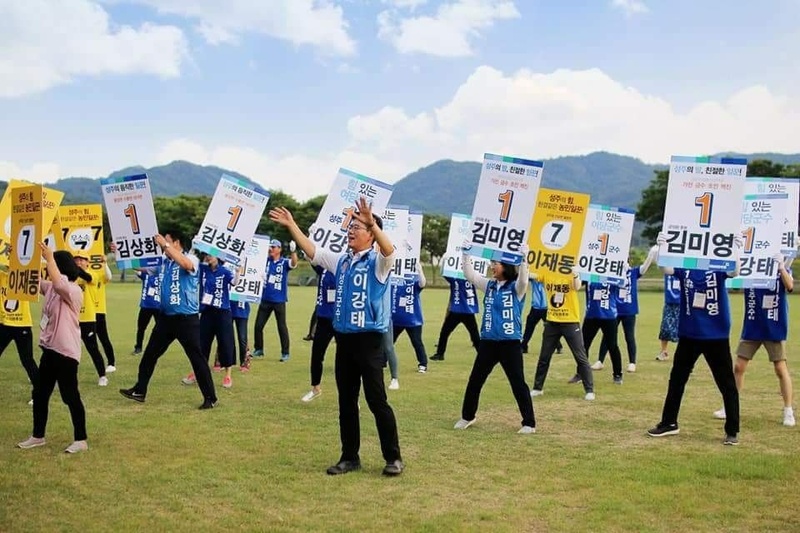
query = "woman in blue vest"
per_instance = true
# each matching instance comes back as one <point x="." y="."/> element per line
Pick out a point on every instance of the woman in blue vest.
<point x="149" y="304"/>
<point x="538" y="313"/>
<point x="601" y="315"/>
<point x="766" y="323"/>
<point x="704" y="328"/>
<point x="668" y="332"/>
<point x="460" y="310"/>
<point x="323" y="334"/>
<point x="501" y="332"/>
<point x="407" y="314"/>
<point x="627" y="309"/>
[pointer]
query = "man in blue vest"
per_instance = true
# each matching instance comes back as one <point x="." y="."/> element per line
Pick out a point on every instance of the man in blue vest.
<point x="178" y="319"/>
<point x="360" y="320"/>
<point x="274" y="297"/>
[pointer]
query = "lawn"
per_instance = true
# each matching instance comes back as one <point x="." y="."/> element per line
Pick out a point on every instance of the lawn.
<point x="257" y="462"/>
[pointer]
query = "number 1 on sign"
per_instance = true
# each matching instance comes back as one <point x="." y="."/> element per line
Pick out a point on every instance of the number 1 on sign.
<point x="348" y="216"/>
<point x="706" y="204"/>
<point x="505" y="198"/>
<point x="603" y="238"/>
<point x="749" y="239"/>
<point x="235" y="212"/>
<point x="133" y="218"/>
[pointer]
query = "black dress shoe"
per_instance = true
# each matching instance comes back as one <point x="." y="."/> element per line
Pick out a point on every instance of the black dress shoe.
<point x="395" y="468"/>
<point x="437" y="357"/>
<point x="207" y="404"/>
<point x="131" y="394"/>
<point x="343" y="467"/>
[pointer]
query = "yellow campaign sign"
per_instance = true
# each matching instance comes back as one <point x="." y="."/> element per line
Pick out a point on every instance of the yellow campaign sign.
<point x="556" y="230"/>
<point x="51" y="200"/>
<point x="25" y="236"/>
<point x="82" y="229"/>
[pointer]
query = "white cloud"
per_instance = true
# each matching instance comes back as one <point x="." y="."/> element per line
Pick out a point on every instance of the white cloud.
<point x="405" y="4"/>
<point x="45" y="43"/>
<point x="630" y="7"/>
<point x="525" y="114"/>
<point x="37" y="172"/>
<point x="449" y="32"/>
<point x="318" y="23"/>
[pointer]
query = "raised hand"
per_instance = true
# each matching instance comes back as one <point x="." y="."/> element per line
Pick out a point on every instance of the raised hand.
<point x="282" y="216"/>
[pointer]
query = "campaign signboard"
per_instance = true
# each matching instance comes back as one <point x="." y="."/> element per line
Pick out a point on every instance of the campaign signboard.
<point x="252" y="271"/>
<point x="556" y="231"/>
<point x="132" y="219"/>
<point x="24" y="236"/>
<point x="606" y="244"/>
<point x="82" y="228"/>
<point x="460" y="230"/>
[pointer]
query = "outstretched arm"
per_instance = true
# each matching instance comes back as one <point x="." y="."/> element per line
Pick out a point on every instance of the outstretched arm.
<point x="651" y="256"/>
<point x="283" y="216"/>
<point x="522" y="273"/>
<point x="468" y="267"/>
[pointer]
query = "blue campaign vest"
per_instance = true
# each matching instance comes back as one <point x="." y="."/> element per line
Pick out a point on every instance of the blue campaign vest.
<point x="216" y="287"/>
<point x="628" y="294"/>
<point x="601" y="301"/>
<point x="502" y="312"/>
<point x="672" y="294"/>
<point x="151" y="297"/>
<point x="766" y="314"/>
<point x="179" y="289"/>
<point x="363" y="304"/>
<point x="326" y="293"/>
<point x="240" y="310"/>
<point x="463" y="299"/>
<point x="538" y="296"/>
<point x="406" y="305"/>
<point x="276" y="286"/>
<point x="705" y="311"/>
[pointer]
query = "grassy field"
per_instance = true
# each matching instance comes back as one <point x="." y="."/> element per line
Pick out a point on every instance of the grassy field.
<point x="257" y="462"/>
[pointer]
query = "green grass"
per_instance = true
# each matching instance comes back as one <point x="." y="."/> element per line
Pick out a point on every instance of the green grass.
<point x="257" y="462"/>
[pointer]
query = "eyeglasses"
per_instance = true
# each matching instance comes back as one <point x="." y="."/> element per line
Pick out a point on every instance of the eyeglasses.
<point x="356" y="227"/>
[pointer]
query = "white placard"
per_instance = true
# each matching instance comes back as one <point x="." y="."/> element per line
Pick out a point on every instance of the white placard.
<point x="605" y="244"/>
<point x="460" y="230"/>
<point x="703" y="212"/>
<point x="330" y="229"/>
<point x="413" y="244"/>
<point x="132" y="218"/>
<point x="231" y="219"/>
<point x="504" y="203"/>
<point x="252" y="271"/>
<point x="395" y="225"/>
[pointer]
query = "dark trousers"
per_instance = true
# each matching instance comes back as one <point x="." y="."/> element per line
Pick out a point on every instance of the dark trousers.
<point x="102" y="336"/>
<point x="56" y="368"/>
<point x="415" y="334"/>
<point x="142" y="321"/>
<point x="265" y="310"/>
<point x="571" y="331"/>
<point x="186" y="329"/>
<point x="609" y="328"/>
<point x="89" y="338"/>
<point x="359" y="358"/>
<point x="322" y="338"/>
<point x="509" y="355"/>
<point x="718" y="356"/>
<point x="629" y="329"/>
<point x="534" y="317"/>
<point x="23" y="339"/>
<point x="451" y="320"/>
<point x="241" y="337"/>
<point x="217" y="323"/>
<point x="312" y="323"/>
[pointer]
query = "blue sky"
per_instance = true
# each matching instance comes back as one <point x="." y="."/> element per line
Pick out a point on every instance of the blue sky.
<point x="287" y="91"/>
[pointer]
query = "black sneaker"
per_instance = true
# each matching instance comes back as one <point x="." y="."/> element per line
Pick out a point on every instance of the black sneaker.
<point x="524" y="348"/>
<point x="207" y="404"/>
<point x="395" y="468"/>
<point x="132" y="394"/>
<point x="436" y="357"/>
<point x="575" y="379"/>
<point x="731" y="440"/>
<point x="343" y="467"/>
<point x="308" y="338"/>
<point x="137" y="350"/>
<point x="559" y="351"/>
<point x="664" y="431"/>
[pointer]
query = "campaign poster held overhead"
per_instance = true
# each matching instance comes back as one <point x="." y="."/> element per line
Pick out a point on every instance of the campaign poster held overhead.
<point x="25" y="235"/>
<point x="556" y="231"/>
<point x="413" y="244"/>
<point x="51" y="200"/>
<point x="790" y="187"/>
<point x="395" y="225"/>
<point x="252" y="271"/>
<point x="82" y="227"/>
<point x="606" y="244"/>
<point x="504" y="203"/>
<point x="460" y="230"/>
<point x="231" y="219"/>
<point x="132" y="218"/>
<point x="703" y="212"/>
<point x="330" y="229"/>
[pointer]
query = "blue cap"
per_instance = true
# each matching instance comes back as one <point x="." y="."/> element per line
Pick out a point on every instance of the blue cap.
<point x="275" y="242"/>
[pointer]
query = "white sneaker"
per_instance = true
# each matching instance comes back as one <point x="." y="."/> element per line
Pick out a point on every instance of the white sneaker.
<point x="720" y="414"/>
<point x="110" y="369"/>
<point x="310" y="395"/>
<point x="788" y="417"/>
<point x="422" y="369"/>
<point x="598" y="365"/>
<point x="394" y="384"/>
<point x="77" y="446"/>
<point x="631" y="368"/>
<point x="589" y="397"/>
<point x="463" y="424"/>
<point x="31" y="442"/>
<point x="103" y="382"/>
<point x="535" y="393"/>
<point x="526" y="430"/>
<point x="30" y="402"/>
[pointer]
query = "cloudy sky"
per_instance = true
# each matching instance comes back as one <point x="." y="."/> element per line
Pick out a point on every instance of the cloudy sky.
<point x="287" y="91"/>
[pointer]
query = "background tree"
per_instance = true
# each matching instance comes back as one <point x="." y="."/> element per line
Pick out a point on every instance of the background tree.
<point x="435" y="229"/>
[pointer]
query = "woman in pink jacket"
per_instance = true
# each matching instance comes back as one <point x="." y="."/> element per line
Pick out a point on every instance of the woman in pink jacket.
<point x="60" y="340"/>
